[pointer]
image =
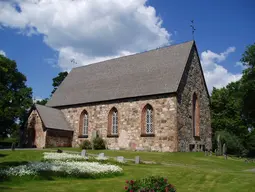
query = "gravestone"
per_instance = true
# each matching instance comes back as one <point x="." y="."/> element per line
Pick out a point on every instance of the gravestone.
<point x="120" y="159"/>
<point x="101" y="155"/>
<point x="83" y="153"/>
<point x="139" y="149"/>
<point x="137" y="160"/>
<point x="13" y="146"/>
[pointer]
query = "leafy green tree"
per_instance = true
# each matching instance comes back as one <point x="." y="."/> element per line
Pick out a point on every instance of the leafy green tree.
<point x="42" y="102"/>
<point x="233" y="109"/>
<point x="234" y="143"/>
<point x="226" y="106"/>
<point x="58" y="80"/>
<point x="248" y="84"/>
<point x="16" y="97"/>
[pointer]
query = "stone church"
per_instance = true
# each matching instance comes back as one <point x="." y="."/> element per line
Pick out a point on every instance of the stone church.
<point x="155" y="101"/>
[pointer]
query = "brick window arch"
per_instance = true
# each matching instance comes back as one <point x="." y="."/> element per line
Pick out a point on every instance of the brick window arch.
<point x="195" y="115"/>
<point x="84" y="124"/>
<point x="147" y="121"/>
<point x="113" y="126"/>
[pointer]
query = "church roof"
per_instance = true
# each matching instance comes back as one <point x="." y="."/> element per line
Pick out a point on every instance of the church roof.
<point x="153" y="72"/>
<point x="52" y="118"/>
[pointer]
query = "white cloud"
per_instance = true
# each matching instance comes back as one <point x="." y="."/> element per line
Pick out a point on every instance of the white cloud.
<point x="87" y="31"/>
<point x="240" y="64"/>
<point x="2" y="53"/>
<point x="215" y="74"/>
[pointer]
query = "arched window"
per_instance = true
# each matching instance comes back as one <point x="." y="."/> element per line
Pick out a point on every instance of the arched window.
<point x="84" y="123"/>
<point x="113" y="122"/>
<point x="195" y="115"/>
<point x="147" y="120"/>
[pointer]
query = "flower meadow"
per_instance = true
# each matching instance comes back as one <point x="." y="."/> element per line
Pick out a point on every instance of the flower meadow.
<point x="63" y="164"/>
<point x="102" y="158"/>
<point x="63" y="156"/>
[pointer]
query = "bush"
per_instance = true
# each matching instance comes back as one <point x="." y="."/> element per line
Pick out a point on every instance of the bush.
<point x="234" y="144"/>
<point x="152" y="183"/>
<point x="98" y="143"/>
<point x="86" y="145"/>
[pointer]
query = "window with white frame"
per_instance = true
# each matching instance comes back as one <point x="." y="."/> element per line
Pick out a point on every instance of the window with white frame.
<point x="149" y="123"/>
<point x="115" y="122"/>
<point x="85" y="124"/>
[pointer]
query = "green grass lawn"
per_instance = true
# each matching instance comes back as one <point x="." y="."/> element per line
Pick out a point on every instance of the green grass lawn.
<point x="187" y="171"/>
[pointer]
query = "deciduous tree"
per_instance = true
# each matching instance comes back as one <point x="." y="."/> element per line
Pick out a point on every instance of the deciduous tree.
<point x="58" y="80"/>
<point x="16" y="97"/>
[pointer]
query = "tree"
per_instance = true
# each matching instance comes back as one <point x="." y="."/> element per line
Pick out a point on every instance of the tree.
<point x="228" y="119"/>
<point x="42" y="102"/>
<point x="226" y="106"/>
<point x="16" y="97"/>
<point x="58" y="80"/>
<point x="233" y="109"/>
<point x="248" y="84"/>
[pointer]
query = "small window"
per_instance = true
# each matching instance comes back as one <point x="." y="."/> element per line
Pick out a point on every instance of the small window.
<point x="195" y="115"/>
<point x="147" y="121"/>
<point x="149" y="128"/>
<point x="84" y="124"/>
<point x="115" y="122"/>
<point x="113" y="128"/>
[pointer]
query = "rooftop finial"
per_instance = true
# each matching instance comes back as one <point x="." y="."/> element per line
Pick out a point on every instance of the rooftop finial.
<point x="73" y="61"/>
<point x="193" y="28"/>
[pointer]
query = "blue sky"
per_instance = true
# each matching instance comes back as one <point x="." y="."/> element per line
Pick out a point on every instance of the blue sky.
<point x="44" y="36"/>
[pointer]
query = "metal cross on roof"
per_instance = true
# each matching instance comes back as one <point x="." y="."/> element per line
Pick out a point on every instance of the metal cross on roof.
<point x="193" y="28"/>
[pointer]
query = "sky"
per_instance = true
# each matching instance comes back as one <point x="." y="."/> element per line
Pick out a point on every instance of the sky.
<point x="46" y="37"/>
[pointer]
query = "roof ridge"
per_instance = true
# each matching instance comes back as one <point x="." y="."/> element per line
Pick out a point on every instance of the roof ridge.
<point x="151" y="50"/>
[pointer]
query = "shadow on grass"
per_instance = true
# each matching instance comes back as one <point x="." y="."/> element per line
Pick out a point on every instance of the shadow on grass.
<point x="4" y="188"/>
<point x="3" y="155"/>
<point x="7" y="164"/>
<point x="20" y="179"/>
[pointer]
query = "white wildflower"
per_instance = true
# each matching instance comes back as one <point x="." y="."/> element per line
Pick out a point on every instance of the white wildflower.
<point x="101" y="158"/>
<point x="71" y="168"/>
<point x="63" y="156"/>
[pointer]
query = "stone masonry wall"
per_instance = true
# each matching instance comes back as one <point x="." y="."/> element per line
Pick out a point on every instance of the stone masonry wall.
<point x="57" y="138"/>
<point x="36" y="133"/>
<point x="191" y="82"/>
<point x="129" y="124"/>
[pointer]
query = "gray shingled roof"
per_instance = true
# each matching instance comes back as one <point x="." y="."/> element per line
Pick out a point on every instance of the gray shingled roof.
<point x="148" y="73"/>
<point x="52" y="118"/>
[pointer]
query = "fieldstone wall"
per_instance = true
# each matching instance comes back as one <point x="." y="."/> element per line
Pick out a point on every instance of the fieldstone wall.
<point x="58" y="138"/>
<point x="36" y="133"/>
<point x="192" y="81"/>
<point x="129" y="123"/>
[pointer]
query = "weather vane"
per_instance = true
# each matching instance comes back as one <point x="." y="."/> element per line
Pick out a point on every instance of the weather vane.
<point x="73" y="61"/>
<point x="193" y="28"/>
